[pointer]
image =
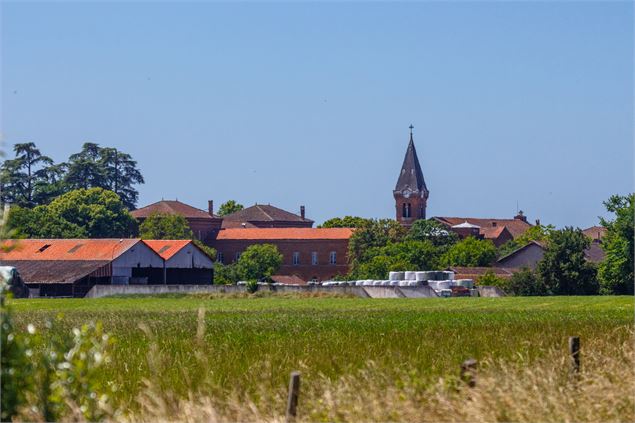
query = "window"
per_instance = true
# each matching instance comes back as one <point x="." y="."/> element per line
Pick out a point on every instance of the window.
<point x="219" y="257"/>
<point x="238" y="255"/>
<point x="405" y="210"/>
<point x="314" y="258"/>
<point x="296" y="258"/>
<point x="333" y="257"/>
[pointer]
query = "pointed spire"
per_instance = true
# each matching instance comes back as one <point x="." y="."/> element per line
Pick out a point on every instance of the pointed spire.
<point x="411" y="176"/>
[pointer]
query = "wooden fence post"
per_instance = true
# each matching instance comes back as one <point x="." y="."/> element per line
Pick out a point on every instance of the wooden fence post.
<point x="468" y="372"/>
<point x="574" y="351"/>
<point x="294" y="392"/>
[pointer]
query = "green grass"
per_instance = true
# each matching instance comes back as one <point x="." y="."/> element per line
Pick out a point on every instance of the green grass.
<point x="255" y="342"/>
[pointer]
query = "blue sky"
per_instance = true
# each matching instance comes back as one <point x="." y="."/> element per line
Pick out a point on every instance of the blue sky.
<point x="310" y="103"/>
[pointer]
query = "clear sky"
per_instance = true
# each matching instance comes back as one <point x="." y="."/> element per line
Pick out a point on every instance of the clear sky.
<point x="310" y="103"/>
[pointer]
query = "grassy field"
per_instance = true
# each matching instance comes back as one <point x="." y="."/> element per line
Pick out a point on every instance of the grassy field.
<point x="398" y="354"/>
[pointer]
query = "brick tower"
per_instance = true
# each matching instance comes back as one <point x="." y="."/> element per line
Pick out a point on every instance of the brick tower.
<point x="411" y="193"/>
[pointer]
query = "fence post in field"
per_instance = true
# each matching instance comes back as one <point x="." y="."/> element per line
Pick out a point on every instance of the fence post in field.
<point x="294" y="392"/>
<point x="468" y="372"/>
<point x="574" y="351"/>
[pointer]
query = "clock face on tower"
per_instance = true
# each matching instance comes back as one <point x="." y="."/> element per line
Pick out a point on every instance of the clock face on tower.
<point x="406" y="193"/>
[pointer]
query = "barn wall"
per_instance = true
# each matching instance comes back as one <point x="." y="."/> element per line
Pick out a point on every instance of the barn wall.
<point x="188" y="257"/>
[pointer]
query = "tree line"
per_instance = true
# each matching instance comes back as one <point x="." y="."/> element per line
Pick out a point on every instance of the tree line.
<point x="32" y="179"/>
<point x="380" y="246"/>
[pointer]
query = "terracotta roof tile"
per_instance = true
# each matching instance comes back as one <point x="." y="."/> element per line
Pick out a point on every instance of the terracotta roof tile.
<point x="264" y="213"/>
<point x="166" y="248"/>
<point x="284" y="233"/>
<point x="171" y="207"/>
<point x="66" y="249"/>
<point x="515" y="226"/>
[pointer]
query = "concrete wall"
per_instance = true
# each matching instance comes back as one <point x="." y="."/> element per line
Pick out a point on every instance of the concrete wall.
<point x="99" y="291"/>
<point x="490" y="291"/>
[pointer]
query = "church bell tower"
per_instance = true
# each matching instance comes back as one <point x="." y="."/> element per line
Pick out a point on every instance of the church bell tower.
<point x="411" y="193"/>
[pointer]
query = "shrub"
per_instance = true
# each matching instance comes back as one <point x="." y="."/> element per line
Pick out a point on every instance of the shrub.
<point x="490" y="279"/>
<point x="48" y="378"/>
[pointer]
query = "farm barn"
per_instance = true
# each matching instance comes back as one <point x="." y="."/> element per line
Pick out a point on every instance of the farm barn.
<point x="183" y="262"/>
<point x="71" y="267"/>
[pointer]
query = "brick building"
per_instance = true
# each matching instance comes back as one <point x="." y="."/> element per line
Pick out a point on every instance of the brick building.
<point x="410" y="193"/>
<point x="308" y="253"/>
<point x="499" y="231"/>
<point x="204" y="224"/>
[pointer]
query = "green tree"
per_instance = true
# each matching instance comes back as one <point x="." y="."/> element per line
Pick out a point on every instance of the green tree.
<point x="229" y="207"/>
<point x="165" y="226"/>
<point x="616" y="271"/>
<point x="564" y="268"/>
<point x="378" y="267"/>
<point x="470" y="252"/>
<point x="526" y="283"/>
<point x="51" y="184"/>
<point x="259" y="262"/>
<point x="535" y="233"/>
<point x="373" y="233"/>
<point x="433" y="231"/>
<point x="344" y="222"/>
<point x="83" y="213"/>
<point x="108" y="168"/>
<point x="121" y="175"/>
<point x="22" y="175"/>
<point x="225" y="274"/>
<point x="40" y="222"/>
<point x="85" y="169"/>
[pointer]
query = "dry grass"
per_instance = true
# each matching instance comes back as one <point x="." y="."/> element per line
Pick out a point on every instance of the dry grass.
<point x="542" y="390"/>
<point x="361" y="360"/>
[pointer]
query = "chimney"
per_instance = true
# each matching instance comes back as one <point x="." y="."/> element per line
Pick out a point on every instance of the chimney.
<point x="302" y="211"/>
<point x="537" y="222"/>
<point x="210" y="207"/>
<point x="521" y="216"/>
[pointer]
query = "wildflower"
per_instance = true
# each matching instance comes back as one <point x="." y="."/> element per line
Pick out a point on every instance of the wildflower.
<point x="30" y="328"/>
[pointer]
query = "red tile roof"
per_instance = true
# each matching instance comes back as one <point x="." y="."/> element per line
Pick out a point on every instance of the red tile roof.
<point x="284" y="233"/>
<point x="167" y="248"/>
<point x="171" y="207"/>
<point x="264" y="213"/>
<point x="515" y="226"/>
<point x="66" y="249"/>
